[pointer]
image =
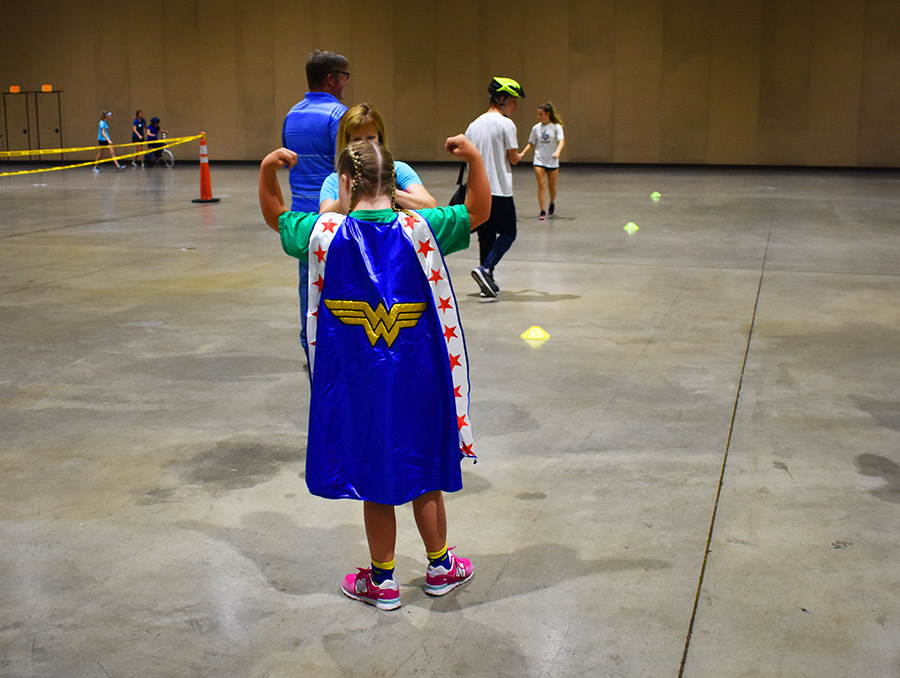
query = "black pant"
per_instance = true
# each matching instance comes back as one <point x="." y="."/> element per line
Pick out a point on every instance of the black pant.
<point x="497" y="234"/>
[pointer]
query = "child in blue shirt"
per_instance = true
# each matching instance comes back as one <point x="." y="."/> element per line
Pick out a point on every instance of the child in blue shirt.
<point x="153" y="131"/>
<point x="363" y="123"/>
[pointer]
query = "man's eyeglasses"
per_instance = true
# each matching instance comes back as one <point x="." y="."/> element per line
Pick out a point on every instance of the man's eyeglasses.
<point x="342" y="73"/>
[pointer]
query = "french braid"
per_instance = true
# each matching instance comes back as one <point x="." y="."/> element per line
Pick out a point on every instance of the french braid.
<point x="370" y="167"/>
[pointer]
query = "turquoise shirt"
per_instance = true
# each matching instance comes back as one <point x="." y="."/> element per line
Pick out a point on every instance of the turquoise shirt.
<point x="451" y="227"/>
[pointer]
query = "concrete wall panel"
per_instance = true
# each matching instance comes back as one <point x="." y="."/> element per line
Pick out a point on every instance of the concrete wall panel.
<point x="783" y="82"/>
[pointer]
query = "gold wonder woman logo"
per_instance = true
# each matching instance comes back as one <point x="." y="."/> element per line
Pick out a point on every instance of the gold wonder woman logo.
<point x="378" y="322"/>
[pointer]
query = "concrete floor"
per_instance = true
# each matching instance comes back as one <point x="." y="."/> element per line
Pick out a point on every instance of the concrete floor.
<point x="697" y="475"/>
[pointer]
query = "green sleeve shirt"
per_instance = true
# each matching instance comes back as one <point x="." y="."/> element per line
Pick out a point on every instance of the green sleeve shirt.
<point x="451" y="227"/>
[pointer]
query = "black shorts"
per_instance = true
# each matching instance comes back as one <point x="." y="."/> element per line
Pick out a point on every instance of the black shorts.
<point x="136" y="139"/>
<point x="547" y="169"/>
<point x="102" y="142"/>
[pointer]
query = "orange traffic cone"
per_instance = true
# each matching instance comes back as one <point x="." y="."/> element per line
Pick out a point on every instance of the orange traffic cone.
<point x="205" y="184"/>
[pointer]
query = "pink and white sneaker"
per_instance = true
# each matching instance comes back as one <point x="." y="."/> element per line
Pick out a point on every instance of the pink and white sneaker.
<point x="440" y="581"/>
<point x="359" y="586"/>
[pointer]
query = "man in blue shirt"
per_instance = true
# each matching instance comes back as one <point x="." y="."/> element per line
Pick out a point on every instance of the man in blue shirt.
<point x="310" y="130"/>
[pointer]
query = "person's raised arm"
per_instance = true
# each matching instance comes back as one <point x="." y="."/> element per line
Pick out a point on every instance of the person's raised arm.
<point x="271" y="200"/>
<point x="478" y="189"/>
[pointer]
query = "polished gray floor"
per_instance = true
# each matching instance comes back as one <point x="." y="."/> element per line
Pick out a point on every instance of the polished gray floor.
<point x="697" y="474"/>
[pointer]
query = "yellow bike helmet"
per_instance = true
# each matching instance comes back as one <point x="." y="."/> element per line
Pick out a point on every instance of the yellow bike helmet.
<point x="501" y="89"/>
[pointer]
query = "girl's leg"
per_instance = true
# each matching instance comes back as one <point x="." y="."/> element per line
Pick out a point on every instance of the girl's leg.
<point x="376" y="586"/>
<point x="112" y="154"/>
<point x="445" y="571"/>
<point x="541" y="175"/>
<point x="381" y="530"/>
<point x="97" y="159"/>
<point x="431" y="519"/>
<point x="551" y="181"/>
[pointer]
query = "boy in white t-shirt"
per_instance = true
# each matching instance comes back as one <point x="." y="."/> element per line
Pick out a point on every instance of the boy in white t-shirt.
<point x="494" y="135"/>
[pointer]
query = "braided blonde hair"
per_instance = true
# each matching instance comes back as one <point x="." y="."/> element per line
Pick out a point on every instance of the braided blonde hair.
<point x="370" y="167"/>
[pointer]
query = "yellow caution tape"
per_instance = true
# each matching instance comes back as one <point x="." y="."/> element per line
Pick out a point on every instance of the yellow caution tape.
<point x="169" y="141"/>
<point x="158" y="146"/>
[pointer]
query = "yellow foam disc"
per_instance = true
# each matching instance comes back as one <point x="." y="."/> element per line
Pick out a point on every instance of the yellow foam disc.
<point x="535" y="332"/>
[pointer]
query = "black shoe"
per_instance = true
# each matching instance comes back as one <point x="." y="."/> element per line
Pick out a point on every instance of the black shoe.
<point x="481" y="276"/>
<point x="552" y="209"/>
<point x="490" y="278"/>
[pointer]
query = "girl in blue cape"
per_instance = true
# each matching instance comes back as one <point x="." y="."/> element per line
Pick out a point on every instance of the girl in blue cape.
<point x="388" y="420"/>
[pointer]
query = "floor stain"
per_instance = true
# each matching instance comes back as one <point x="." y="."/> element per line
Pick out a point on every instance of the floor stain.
<point x="876" y="466"/>
<point x="236" y="464"/>
<point x="216" y="368"/>
<point x="537" y="295"/>
<point x="159" y="495"/>
<point x="783" y="467"/>
<point x="501" y="417"/>
<point x="886" y="413"/>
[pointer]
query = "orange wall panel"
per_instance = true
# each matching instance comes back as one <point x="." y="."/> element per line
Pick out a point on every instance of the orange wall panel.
<point x="757" y="82"/>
